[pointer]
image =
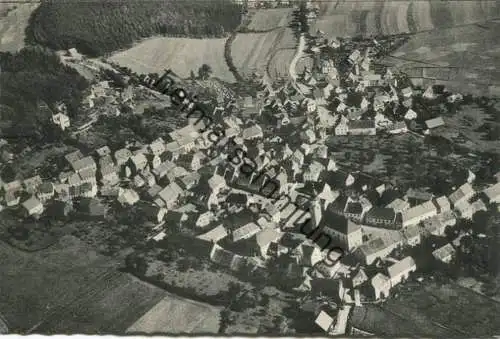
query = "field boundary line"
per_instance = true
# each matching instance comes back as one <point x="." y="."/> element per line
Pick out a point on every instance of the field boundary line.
<point x="476" y="292"/>
<point x="90" y="291"/>
<point x="426" y="317"/>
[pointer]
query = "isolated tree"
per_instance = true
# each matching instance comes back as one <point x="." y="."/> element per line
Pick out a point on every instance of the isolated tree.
<point x="204" y="71"/>
<point x="225" y="320"/>
<point x="136" y="264"/>
<point x="282" y="324"/>
<point x="192" y="76"/>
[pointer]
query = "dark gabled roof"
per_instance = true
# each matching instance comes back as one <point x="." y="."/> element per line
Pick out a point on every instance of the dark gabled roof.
<point x="311" y="188"/>
<point x="354" y="207"/>
<point x="382" y="213"/>
<point x="354" y="99"/>
<point x="202" y="189"/>
<point x="318" y="93"/>
<point x="237" y="198"/>
<point x="92" y="206"/>
<point x="173" y="217"/>
<point x="292" y="240"/>
<point x="363" y="179"/>
<point x="336" y="179"/>
<point x="327" y="287"/>
<point x="184" y="159"/>
<point x="338" y="204"/>
<point x="419" y="194"/>
<point x="243" y="181"/>
<point x="438" y="89"/>
<point x="361" y="124"/>
<point x="236" y="220"/>
<point x="338" y="222"/>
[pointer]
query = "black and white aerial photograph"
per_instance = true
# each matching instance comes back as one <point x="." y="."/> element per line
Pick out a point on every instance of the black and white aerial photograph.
<point x="298" y="168"/>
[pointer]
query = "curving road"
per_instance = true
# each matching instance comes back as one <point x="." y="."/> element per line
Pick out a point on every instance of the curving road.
<point x="293" y="65"/>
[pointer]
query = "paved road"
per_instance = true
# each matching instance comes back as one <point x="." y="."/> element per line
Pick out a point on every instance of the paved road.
<point x="293" y="65"/>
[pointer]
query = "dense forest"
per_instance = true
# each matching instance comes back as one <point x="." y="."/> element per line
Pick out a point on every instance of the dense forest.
<point x="96" y="28"/>
<point x="29" y="77"/>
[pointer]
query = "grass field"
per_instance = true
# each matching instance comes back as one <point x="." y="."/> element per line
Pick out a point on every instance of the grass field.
<point x="279" y="63"/>
<point x="267" y="19"/>
<point x="361" y="17"/>
<point x="253" y="52"/>
<point x="176" y="315"/>
<point x="430" y="309"/>
<point x="373" y="319"/>
<point x="182" y="55"/>
<point x="466" y="122"/>
<point x="39" y="157"/>
<point x="204" y="282"/>
<point x="304" y="62"/>
<point x="462" y="58"/>
<point x="70" y="288"/>
<point x="13" y="21"/>
<point x="450" y="305"/>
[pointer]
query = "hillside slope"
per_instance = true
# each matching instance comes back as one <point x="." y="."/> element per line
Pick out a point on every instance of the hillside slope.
<point x="384" y="17"/>
<point x="32" y="75"/>
<point x="98" y="28"/>
<point x="156" y="54"/>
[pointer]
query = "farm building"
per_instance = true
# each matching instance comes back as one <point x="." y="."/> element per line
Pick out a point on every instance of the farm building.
<point x="419" y="213"/>
<point x="381" y="285"/>
<point x="325" y="321"/>
<point x="462" y="194"/>
<point x="400" y="271"/>
<point x="434" y="123"/>
<point x="493" y="193"/>
<point x="362" y="127"/>
<point x="444" y="254"/>
<point x="32" y="206"/>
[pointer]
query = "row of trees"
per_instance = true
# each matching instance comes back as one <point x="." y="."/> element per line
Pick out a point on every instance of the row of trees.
<point x="299" y="22"/>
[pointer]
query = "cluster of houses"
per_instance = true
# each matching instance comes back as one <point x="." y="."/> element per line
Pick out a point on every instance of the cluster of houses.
<point x="351" y="96"/>
<point x="185" y="181"/>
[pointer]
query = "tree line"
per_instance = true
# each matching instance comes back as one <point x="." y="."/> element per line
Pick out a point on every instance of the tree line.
<point x="99" y="28"/>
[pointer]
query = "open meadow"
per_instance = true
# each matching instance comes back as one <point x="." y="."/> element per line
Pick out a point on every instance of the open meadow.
<point x="479" y="130"/>
<point x="182" y="55"/>
<point x="14" y="17"/>
<point x="267" y="19"/>
<point x="176" y="315"/>
<point x="260" y="52"/>
<point x="457" y="308"/>
<point x="462" y="58"/>
<point x="70" y="288"/>
<point x="379" y="17"/>
<point x="431" y="309"/>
